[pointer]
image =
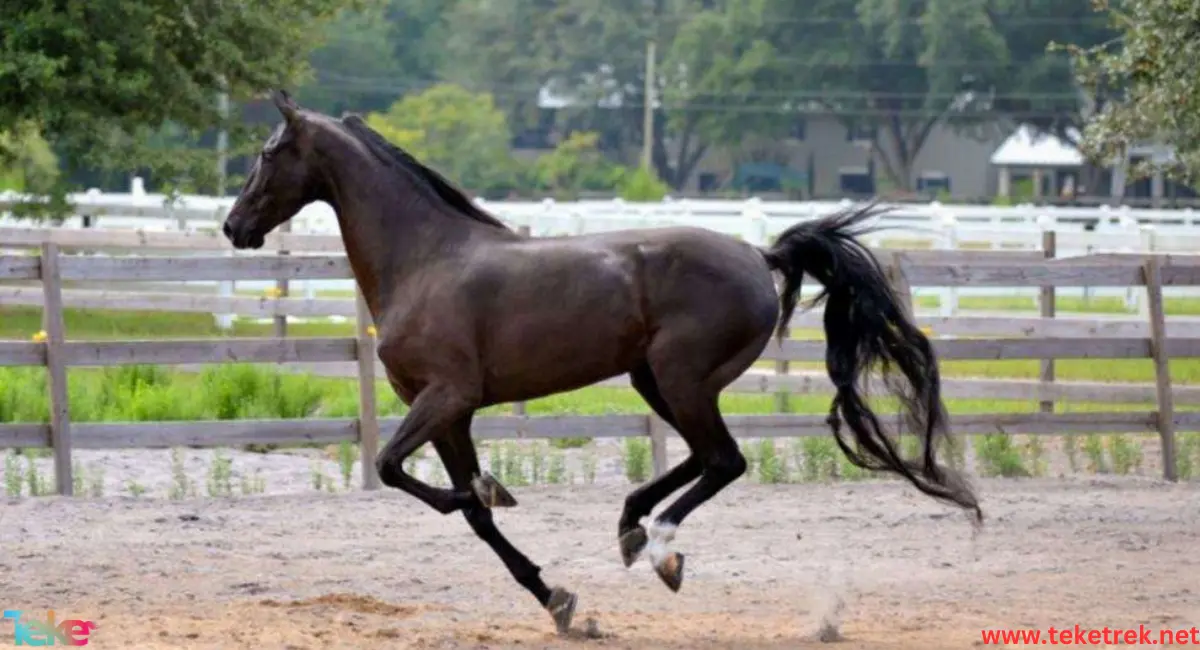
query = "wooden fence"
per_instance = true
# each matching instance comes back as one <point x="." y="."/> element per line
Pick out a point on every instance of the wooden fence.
<point x="993" y="337"/>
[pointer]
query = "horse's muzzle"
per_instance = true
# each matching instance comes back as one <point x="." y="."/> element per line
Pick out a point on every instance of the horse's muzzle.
<point x="242" y="237"/>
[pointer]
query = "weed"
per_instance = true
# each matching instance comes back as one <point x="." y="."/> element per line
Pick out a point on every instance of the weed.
<point x="135" y="489"/>
<point x="34" y="480"/>
<point x="496" y="462"/>
<point x="635" y="454"/>
<point x="537" y="463"/>
<point x="998" y="455"/>
<point x="848" y="471"/>
<point x="181" y="485"/>
<point x="1093" y="448"/>
<point x="818" y="458"/>
<point x="220" y="475"/>
<point x="1126" y="456"/>
<point x="254" y="485"/>
<point x="1071" y="449"/>
<point x="772" y="468"/>
<point x="347" y="455"/>
<point x="95" y="486"/>
<point x="320" y="480"/>
<point x="1187" y="456"/>
<point x="513" y="466"/>
<point x="78" y="480"/>
<point x="13" y="476"/>
<point x="558" y="468"/>
<point x="1036" y="451"/>
<point x="589" y="466"/>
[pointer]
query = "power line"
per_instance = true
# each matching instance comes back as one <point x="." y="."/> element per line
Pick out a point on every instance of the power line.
<point x="345" y="83"/>
<point x="634" y="59"/>
<point x="792" y="19"/>
<point x="763" y="109"/>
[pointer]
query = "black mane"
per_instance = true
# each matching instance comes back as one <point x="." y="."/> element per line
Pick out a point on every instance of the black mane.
<point x="428" y="179"/>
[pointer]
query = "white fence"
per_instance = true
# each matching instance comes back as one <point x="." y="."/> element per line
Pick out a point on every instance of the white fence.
<point x="948" y="227"/>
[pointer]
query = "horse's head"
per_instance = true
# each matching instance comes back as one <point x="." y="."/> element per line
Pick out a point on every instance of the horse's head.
<point x="282" y="180"/>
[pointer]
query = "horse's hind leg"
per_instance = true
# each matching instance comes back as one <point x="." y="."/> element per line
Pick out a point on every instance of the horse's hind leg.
<point x="722" y="463"/>
<point x="692" y="393"/>
<point x="632" y="536"/>
<point x="458" y="454"/>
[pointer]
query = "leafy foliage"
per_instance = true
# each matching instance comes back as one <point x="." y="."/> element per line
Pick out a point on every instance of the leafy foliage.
<point x="28" y="164"/>
<point x="1149" y="82"/>
<point x="460" y="133"/>
<point x="643" y="185"/>
<point x="576" y="164"/>
<point x="101" y="77"/>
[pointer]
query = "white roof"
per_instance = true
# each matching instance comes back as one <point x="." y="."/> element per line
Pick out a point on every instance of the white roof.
<point x="1026" y="147"/>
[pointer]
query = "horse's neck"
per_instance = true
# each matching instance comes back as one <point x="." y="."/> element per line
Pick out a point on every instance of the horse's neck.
<point x="388" y="229"/>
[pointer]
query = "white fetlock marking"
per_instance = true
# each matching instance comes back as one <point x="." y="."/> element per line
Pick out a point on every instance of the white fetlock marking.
<point x="658" y="537"/>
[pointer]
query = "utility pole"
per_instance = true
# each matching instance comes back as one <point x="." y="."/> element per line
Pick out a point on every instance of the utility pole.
<point x="648" y="110"/>
<point x="222" y="140"/>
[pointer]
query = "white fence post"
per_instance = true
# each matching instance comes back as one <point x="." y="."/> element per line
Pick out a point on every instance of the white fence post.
<point x="1148" y="239"/>
<point x="225" y="289"/>
<point x="948" y="296"/>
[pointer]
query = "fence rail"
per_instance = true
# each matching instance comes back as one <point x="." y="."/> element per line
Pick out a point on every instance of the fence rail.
<point x="996" y="337"/>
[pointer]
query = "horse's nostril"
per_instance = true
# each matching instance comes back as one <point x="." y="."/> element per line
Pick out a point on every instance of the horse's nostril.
<point x="227" y="230"/>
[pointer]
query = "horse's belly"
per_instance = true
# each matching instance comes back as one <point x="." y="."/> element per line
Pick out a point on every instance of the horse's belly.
<point x="555" y="350"/>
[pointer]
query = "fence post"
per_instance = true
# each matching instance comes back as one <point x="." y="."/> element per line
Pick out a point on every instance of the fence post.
<point x="782" y="396"/>
<point x="281" y="286"/>
<point x="368" y="417"/>
<point x="1047" y="299"/>
<point x="1147" y="238"/>
<point x="900" y="284"/>
<point x="948" y="301"/>
<point x="1165" y="416"/>
<point x="656" y="429"/>
<point x="518" y="408"/>
<point x="56" y="370"/>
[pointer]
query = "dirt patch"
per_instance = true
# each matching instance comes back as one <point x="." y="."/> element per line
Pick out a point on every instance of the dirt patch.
<point x="352" y="603"/>
<point x="768" y="567"/>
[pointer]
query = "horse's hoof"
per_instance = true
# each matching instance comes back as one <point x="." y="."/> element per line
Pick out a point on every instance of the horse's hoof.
<point x="490" y="493"/>
<point x="632" y="542"/>
<point x="670" y="569"/>
<point x="562" y="609"/>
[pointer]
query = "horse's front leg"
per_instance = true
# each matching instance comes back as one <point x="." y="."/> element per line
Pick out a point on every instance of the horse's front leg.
<point x="434" y="412"/>
<point x="457" y="452"/>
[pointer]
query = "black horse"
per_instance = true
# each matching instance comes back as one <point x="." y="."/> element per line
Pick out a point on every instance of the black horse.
<point x="470" y="314"/>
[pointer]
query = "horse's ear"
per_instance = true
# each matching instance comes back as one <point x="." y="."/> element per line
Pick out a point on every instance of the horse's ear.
<point x="286" y="105"/>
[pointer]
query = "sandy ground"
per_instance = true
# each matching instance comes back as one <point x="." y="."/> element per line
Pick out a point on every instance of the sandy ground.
<point x="767" y="566"/>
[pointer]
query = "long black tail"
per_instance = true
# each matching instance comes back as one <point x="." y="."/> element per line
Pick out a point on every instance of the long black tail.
<point x="866" y="324"/>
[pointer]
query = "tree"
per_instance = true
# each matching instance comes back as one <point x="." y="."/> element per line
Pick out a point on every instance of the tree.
<point x="29" y="165"/>
<point x="1153" y="95"/>
<point x="98" y="77"/>
<point x="897" y="67"/>
<point x="591" y="58"/>
<point x="576" y="165"/>
<point x="716" y="67"/>
<point x="375" y="55"/>
<point x="461" y="134"/>
<point x="1040" y="88"/>
<point x="357" y="51"/>
<point x="503" y="48"/>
